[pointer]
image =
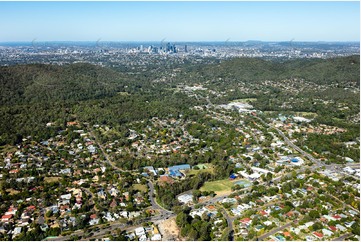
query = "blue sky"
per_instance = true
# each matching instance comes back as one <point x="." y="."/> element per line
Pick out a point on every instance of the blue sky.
<point x="179" y="21"/>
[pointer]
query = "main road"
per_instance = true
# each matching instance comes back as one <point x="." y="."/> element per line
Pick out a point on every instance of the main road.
<point x="104" y="230"/>
<point x="317" y="163"/>
<point x="289" y="142"/>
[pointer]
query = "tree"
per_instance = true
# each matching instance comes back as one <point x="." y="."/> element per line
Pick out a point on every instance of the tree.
<point x="314" y="214"/>
<point x="49" y="213"/>
<point x="269" y="176"/>
<point x="193" y="234"/>
<point x="356" y="228"/>
<point x="226" y="235"/>
<point x="182" y="219"/>
<point x="204" y="232"/>
<point x="317" y="226"/>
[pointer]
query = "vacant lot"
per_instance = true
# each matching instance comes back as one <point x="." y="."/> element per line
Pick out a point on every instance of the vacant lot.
<point x="169" y="230"/>
<point x="12" y="191"/>
<point x="52" y="179"/>
<point x="140" y="187"/>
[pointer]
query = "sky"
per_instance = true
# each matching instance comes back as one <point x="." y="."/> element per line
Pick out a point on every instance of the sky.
<point x="179" y="21"/>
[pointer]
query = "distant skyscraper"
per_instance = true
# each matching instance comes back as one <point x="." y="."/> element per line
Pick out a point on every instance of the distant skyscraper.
<point x="185" y="49"/>
<point x="168" y="47"/>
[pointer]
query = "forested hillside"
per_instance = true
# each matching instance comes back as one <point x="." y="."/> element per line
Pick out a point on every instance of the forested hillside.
<point x="32" y="95"/>
<point x="39" y="83"/>
<point x="253" y="70"/>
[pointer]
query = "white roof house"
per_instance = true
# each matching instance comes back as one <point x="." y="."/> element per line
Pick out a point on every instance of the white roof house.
<point x="66" y="196"/>
<point x="94" y="221"/>
<point x="139" y="231"/>
<point x="143" y="237"/>
<point x="17" y="231"/>
<point x="186" y="198"/>
<point x="340" y="227"/>
<point x="156" y="237"/>
<point x="327" y="232"/>
<point x="198" y="212"/>
<point x="124" y="214"/>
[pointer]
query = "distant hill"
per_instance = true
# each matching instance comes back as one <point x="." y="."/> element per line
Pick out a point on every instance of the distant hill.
<point x="24" y="84"/>
<point x="321" y="71"/>
<point x="32" y="95"/>
<point x="325" y="71"/>
<point x="37" y="82"/>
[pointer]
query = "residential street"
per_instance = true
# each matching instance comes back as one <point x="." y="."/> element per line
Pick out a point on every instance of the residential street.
<point x="264" y="236"/>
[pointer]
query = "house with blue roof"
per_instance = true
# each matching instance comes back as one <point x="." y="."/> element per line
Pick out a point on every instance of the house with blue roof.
<point x="175" y="170"/>
<point x="180" y="167"/>
<point x="175" y="173"/>
<point x="233" y="176"/>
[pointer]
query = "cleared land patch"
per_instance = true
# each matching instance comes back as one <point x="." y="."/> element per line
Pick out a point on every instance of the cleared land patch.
<point x="140" y="187"/>
<point x="52" y="179"/>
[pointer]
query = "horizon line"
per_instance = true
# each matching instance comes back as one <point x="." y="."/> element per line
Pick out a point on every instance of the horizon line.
<point x="189" y="41"/>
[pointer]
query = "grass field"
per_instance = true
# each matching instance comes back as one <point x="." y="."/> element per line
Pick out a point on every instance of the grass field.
<point x="301" y="114"/>
<point x="220" y="185"/>
<point x="140" y="187"/>
<point x="12" y="191"/>
<point x="7" y="148"/>
<point x="245" y="100"/>
<point x="52" y="179"/>
<point x="306" y="114"/>
<point x="124" y="93"/>
<point x="217" y="186"/>
<point x="208" y="168"/>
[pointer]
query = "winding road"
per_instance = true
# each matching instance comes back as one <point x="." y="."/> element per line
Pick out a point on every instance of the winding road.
<point x="154" y="203"/>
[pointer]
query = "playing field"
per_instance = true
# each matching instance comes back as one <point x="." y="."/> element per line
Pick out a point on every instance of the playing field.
<point x="217" y="186"/>
<point x="224" y="185"/>
<point x="245" y="100"/>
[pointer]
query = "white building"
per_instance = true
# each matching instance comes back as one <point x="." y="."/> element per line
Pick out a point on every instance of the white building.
<point x="17" y="231"/>
<point x="139" y="231"/>
<point x="156" y="237"/>
<point x="186" y="198"/>
<point x="302" y="119"/>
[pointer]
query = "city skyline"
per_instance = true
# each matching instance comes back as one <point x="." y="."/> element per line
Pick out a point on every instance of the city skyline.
<point x="179" y="21"/>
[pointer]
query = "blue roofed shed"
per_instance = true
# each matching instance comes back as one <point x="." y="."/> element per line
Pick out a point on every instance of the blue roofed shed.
<point x="233" y="176"/>
<point x="180" y="167"/>
<point x="175" y="173"/>
<point x="174" y="170"/>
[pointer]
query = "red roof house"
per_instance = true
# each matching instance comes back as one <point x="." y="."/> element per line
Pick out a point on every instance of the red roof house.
<point x="318" y="235"/>
<point x="333" y="228"/>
